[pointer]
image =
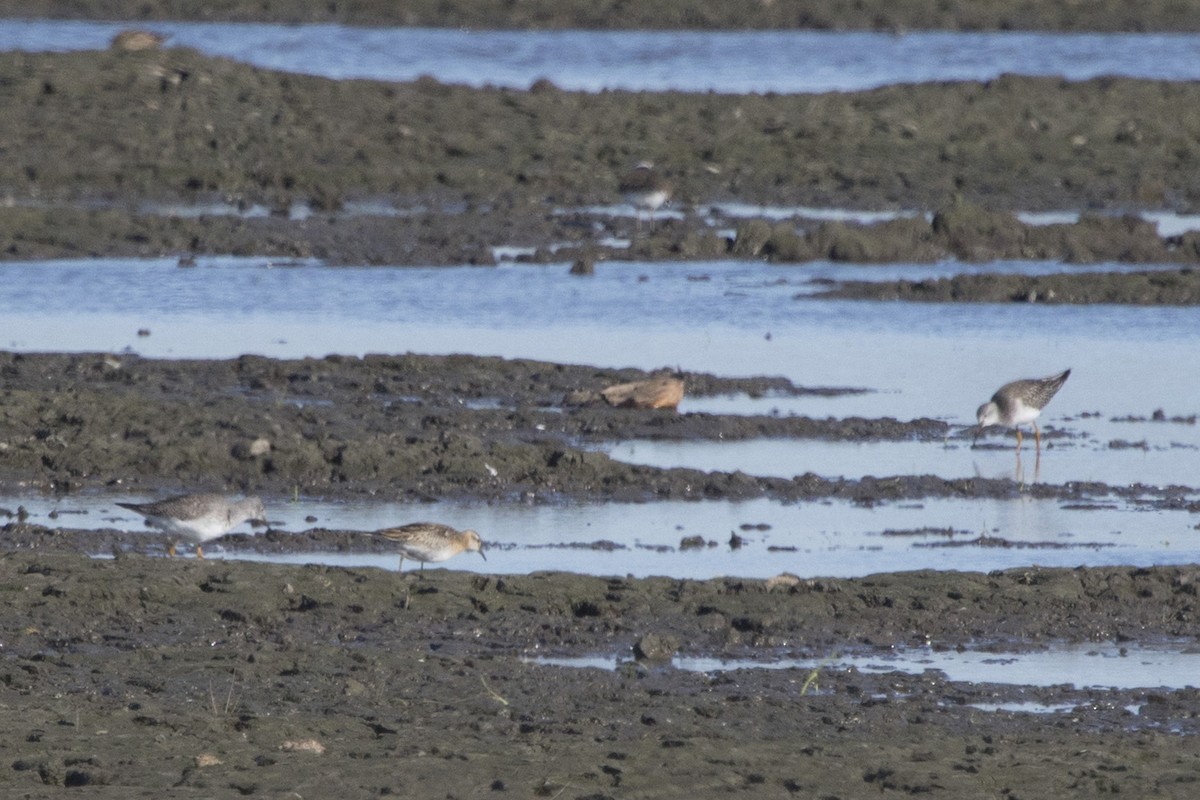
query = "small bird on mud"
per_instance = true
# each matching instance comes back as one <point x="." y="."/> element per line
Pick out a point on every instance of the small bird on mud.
<point x="646" y="190"/>
<point x="431" y="541"/>
<point x="199" y="518"/>
<point x="1019" y="402"/>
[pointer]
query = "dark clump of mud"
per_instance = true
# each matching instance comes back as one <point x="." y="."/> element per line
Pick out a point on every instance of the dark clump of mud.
<point x="888" y="15"/>
<point x="1168" y="287"/>
<point x="206" y="679"/>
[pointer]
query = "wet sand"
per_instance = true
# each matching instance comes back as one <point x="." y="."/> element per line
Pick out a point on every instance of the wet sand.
<point x="139" y="675"/>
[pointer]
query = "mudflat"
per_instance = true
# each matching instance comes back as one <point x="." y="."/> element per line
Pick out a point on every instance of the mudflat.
<point x="136" y="674"/>
<point x="151" y="676"/>
<point x="124" y="673"/>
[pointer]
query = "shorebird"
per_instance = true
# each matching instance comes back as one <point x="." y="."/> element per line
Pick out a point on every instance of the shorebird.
<point x="1019" y="402"/>
<point x="432" y="541"/>
<point x="199" y="517"/>
<point x="134" y="39"/>
<point x="646" y="190"/>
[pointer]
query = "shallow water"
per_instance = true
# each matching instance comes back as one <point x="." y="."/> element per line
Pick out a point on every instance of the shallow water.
<point x="729" y="318"/>
<point x="731" y="61"/>
<point x="822" y="539"/>
<point x="1168" y="463"/>
<point x="1080" y="665"/>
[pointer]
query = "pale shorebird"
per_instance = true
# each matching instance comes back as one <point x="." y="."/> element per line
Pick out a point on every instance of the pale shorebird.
<point x="646" y="190"/>
<point x="1019" y="402"/>
<point x="199" y="518"/>
<point x="431" y="541"/>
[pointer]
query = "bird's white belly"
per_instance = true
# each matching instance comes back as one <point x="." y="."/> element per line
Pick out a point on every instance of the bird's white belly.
<point x="198" y="530"/>
<point x="648" y="200"/>
<point x="1024" y="414"/>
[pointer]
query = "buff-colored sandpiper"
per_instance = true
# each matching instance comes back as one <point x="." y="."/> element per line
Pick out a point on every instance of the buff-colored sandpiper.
<point x="432" y="541"/>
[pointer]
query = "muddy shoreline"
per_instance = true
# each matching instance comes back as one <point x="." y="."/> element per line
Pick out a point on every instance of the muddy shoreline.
<point x="134" y="671"/>
<point x="133" y="674"/>
<point x="224" y="679"/>
<point x="448" y="173"/>
<point x="402" y="428"/>
<point x="893" y="16"/>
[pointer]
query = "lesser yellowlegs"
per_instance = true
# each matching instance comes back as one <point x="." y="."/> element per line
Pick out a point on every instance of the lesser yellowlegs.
<point x="1020" y="402"/>
<point x="646" y="190"/>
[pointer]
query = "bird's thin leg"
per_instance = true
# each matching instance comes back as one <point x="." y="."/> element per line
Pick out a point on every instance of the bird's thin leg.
<point x="1018" y="440"/>
<point x="1038" y="432"/>
<point x="407" y="588"/>
<point x="171" y="550"/>
<point x="199" y="552"/>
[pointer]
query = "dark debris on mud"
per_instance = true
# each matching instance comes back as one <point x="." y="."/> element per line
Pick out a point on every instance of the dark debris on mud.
<point x="255" y="680"/>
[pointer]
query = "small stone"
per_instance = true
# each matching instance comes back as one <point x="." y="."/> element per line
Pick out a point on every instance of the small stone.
<point x="207" y="760"/>
<point x="303" y="746"/>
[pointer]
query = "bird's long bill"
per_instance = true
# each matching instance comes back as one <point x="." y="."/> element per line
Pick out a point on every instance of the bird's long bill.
<point x="975" y="440"/>
<point x="481" y="554"/>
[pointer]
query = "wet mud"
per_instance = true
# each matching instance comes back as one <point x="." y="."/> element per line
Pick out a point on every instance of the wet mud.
<point x="449" y="172"/>
<point x="887" y="15"/>
<point x="1167" y="287"/>
<point x="413" y="428"/>
<point x="137" y="672"/>
<point x="207" y="679"/>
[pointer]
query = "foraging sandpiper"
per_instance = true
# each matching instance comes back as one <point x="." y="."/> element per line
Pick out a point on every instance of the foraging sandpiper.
<point x="1019" y="402"/>
<point x="646" y="190"/>
<point x="432" y="541"/>
<point x="199" y="517"/>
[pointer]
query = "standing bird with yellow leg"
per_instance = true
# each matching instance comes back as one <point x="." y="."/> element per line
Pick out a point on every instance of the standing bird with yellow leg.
<point x="646" y="190"/>
<point x="1020" y="402"/>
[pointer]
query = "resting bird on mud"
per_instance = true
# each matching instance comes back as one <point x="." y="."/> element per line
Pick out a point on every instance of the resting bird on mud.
<point x="646" y="190"/>
<point x="199" y="518"/>
<point x="1019" y="402"/>
<point x="432" y="541"/>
